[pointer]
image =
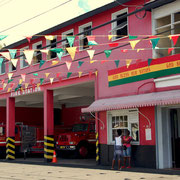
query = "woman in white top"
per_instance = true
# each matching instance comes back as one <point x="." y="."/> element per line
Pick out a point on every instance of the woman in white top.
<point x="118" y="149"/>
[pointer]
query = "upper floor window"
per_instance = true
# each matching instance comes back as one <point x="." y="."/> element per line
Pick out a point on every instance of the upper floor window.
<point x="23" y="62"/>
<point x="3" y="67"/>
<point x="11" y="66"/>
<point x="52" y="44"/>
<point x="83" y="38"/>
<point x="37" y="53"/>
<point x="65" y="43"/>
<point x="166" y="24"/>
<point x="119" y="27"/>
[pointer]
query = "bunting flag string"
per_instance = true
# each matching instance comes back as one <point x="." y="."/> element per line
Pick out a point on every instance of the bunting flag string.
<point x="70" y="40"/>
<point x="128" y="62"/>
<point x="49" y="37"/>
<point x="72" y="51"/>
<point x="6" y="55"/>
<point x="12" y="53"/>
<point x="91" y="53"/>
<point x="155" y="42"/>
<point x="29" y="55"/>
<point x="23" y="76"/>
<point x="80" y="63"/>
<point x="10" y="75"/>
<point x="14" y="62"/>
<point x="68" y="64"/>
<point x="133" y="43"/>
<point x="117" y="63"/>
<point x="51" y="80"/>
<point x="149" y="62"/>
<point x="3" y="37"/>
<point x="107" y="53"/>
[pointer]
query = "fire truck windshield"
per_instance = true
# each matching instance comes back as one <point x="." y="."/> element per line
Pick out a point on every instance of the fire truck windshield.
<point x="80" y="127"/>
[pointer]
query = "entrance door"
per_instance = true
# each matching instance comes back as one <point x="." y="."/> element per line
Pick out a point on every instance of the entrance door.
<point x="175" y="136"/>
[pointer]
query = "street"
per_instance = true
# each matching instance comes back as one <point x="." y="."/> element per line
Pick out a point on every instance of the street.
<point x="40" y="172"/>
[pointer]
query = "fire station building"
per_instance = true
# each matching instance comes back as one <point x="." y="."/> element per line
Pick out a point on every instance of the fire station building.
<point x="135" y="87"/>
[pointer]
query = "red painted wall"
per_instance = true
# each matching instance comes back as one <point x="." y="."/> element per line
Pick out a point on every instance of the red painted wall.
<point x="102" y="128"/>
<point x="149" y="112"/>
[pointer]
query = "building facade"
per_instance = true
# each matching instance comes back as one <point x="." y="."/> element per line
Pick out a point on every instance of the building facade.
<point x="135" y="86"/>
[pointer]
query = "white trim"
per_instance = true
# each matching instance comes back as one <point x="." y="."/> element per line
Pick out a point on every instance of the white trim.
<point x="64" y="37"/>
<point x="21" y="59"/>
<point x="81" y="29"/>
<point x="113" y="25"/>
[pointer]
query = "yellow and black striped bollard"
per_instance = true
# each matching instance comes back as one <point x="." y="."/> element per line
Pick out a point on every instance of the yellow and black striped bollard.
<point x="10" y="148"/>
<point x="97" y="148"/>
<point x="48" y="148"/>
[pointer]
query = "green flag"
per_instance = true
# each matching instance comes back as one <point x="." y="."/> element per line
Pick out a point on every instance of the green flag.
<point x="70" y="40"/>
<point x="41" y="80"/>
<point x="80" y="63"/>
<point x="107" y="53"/>
<point x="41" y="63"/>
<point x="13" y="53"/>
<point x="3" y="37"/>
<point x="69" y="74"/>
<point x="117" y="63"/>
<point x="154" y="42"/>
<point x="57" y="50"/>
<point x="132" y="37"/>
<point x="149" y="61"/>
<point x="1" y="61"/>
<point x="10" y="80"/>
<point x="92" y="43"/>
<point x="60" y="55"/>
<point x="35" y="74"/>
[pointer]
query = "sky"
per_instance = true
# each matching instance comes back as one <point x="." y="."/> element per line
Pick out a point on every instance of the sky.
<point x="17" y="11"/>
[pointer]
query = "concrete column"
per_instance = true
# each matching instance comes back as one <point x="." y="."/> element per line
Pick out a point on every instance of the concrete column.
<point x="48" y="125"/>
<point x="10" y="128"/>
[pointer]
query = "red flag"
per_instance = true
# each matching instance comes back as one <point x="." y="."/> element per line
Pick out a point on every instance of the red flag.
<point x="175" y="38"/>
<point x="103" y="61"/>
<point x="124" y="50"/>
<point x="12" y="85"/>
<point x="29" y="38"/>
<point x="32" y="81"/>
<point x="58" y="74"/>
<point x="91" y="38"/>
<point x="113" y="44"/>
<point x="2" y="81"/>
<point x="169" y="50"/>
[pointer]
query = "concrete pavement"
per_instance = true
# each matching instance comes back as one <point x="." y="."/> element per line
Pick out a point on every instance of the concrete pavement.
<point x="18" y="171"/>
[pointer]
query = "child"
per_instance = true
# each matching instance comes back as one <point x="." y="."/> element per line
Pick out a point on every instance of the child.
<point x="127" y="148"/>
<point x="117" y="149"/>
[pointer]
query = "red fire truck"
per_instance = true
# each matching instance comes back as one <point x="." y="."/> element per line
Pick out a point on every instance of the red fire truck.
<point x="81" y="139"/>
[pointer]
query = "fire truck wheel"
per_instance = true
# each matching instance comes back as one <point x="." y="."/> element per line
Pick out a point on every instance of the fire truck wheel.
<point x="83" y="150"/>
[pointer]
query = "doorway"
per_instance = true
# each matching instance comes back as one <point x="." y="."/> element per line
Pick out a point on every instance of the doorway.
<point x="175" y="137"/>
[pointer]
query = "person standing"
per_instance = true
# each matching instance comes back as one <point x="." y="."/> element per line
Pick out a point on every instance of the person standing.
<point x="117" y="149"/>
<point x="127" y="148"/>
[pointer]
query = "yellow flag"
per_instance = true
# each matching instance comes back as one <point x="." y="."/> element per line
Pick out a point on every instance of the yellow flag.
<point x="128" y="62"/>
<point x="45" y="51"/>
<point x="10" y="75"/>
<point x="9" y="89"/>
<point x="133" y="43"/>
<point x="51" y="80"/>
<point x="50" y="38"/>
<point x="110" y="37"/>
<point x="29" y="55"/>
<point x="4" y="85"/>
<point x="47" y="74"/>
<point x="80" y="73"/>
<point x="96" y="73"/>
<point x="92" y="61"/>
<point x="26" y="85"/>
<point x="14" y="62"/>
<point x="54" y="63"/>
<point x="72" y="51"/>
<point x="91" y="53"/>
<point x="20" y="81"/>
<point x="38" y="85"/>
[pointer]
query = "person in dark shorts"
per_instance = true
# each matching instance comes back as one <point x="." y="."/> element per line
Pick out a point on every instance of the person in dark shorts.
<point x="127" y="148"/>
<point x="118" y="149"/>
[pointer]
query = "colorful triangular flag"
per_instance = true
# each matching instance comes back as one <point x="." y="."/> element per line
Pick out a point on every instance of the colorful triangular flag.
<point x="149" y="62"/>
<point x="107" y="53"/>
<point x="29" y="55"/>
<point x="51" y="80"/>
<point x="35" y="74"/>
<point x="96" y="73"/>
<point x="91" y="53"/>
<point x="47" y="74"/>
<point x="117" y="63"/>
<point x="68" y="64"/>
<point x="10" y="75"/>
<point x="49" y="37"/>
<point x="169" y="50"/>
<point x="133" y="43"/>
<point x="3" y="37"/>
<point x="72" y="51"/>
<point x="69" y="74"/>
<point x="54" y="63"/>
<point x="92" y="43"/>
<point x="41" y="80"/>
<point x="4" y="85"/>
<point x="57" y="50"/>
<point x="128" y="62"/>
<point x="45" y="51"/>
<point x="41" y="63"/>
<point x="80" y="63"/>
<point x="26" y="85"/>
<point x="110" y="37"/>
<point x="10" y="80"/>
<point x="23" y="76"/>
<point x="80" y="73"/>
<point x="12" y="53"/>
<point x="174" y="39"/>
<point x="133" y="37"/>
<point x="70" y="40"/>
<point x="14" y="62"/>
<point x="6" y="55"/>
<point x="60" y="54"/>
<point x="20" y="81"/>
<point x="154" y="42"/>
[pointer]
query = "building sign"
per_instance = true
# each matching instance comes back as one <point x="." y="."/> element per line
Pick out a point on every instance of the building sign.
<point x="138" y="72"/>
<point x="25" y="91"/>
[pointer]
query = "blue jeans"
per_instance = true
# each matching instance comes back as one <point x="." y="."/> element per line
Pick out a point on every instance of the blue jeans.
<point x="127" y="152"/>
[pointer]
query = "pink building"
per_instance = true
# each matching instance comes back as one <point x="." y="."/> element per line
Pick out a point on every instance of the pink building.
<point x="133" y="93"/>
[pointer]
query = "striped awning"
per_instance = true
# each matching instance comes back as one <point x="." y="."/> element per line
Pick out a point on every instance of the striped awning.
<point x="141" y="100"/>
